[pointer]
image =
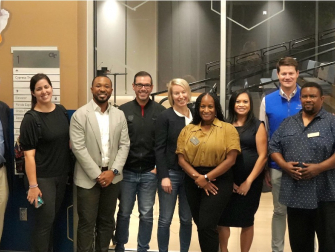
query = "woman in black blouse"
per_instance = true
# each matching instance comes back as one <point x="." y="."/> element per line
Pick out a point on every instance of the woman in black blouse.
<point x="171" y="177"/>
<point x="46" y="151"/>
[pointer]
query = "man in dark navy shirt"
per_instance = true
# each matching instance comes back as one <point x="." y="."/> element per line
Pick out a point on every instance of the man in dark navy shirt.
<point x="303" y="146"/>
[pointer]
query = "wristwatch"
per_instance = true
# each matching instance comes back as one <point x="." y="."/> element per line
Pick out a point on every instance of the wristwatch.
<point x="207" y="178"/>
<point x="116" y="172"/>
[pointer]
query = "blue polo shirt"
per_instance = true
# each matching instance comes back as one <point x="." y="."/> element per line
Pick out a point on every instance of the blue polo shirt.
<point x="312" y="144"/>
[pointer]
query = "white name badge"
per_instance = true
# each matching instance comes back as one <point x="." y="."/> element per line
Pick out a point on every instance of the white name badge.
<point x="315" y="134"/>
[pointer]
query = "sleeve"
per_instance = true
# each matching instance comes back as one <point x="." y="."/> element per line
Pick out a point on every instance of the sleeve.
<point x="233" y="138"/>
<point x="124" y="145"/>
<point x="262" y="115"/>
<point x="181" y="142"/>
<point x="78" y="143"/>
<point x="161" y="135"/>
<point x="274" y="144"/>
<point x="28" y="133"/>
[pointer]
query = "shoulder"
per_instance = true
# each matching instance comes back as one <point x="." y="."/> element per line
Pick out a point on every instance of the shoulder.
<point x="271" y="95"/>
<point x="158" y="106"/>
<point x="116" y="111"/>
<point x="168" y="113"/>
<point x="3" y="105"/>
<point x="83" y="110"/>
<point x="126" y="105"/>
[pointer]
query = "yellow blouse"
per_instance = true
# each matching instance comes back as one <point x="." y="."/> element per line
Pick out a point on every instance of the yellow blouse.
<point x="210" y="148"/>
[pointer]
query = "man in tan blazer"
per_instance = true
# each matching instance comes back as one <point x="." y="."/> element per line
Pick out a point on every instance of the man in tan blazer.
<point x="100" y="142"/>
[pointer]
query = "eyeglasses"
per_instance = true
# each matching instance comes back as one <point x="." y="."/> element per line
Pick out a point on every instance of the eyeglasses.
<point x="140" y="86"/>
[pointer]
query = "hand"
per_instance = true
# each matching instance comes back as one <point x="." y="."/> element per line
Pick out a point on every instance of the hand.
<point x="210" y="188"/>
<point x="235" y="188"/>
<point x="166" y="185"/>
<point x="105" y="178"/>
<point x="267" y="178"/>
<point x="33" y="194"/>
<point x="292" y="170"/>
<point x="310" y="171"/>
<point x="200" y="180"/>
<point x="244" y="188"/>
<point x="154" y="170"/>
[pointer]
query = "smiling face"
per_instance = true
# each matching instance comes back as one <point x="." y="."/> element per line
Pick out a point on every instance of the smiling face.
<point x="242" y="104"/>
<point x="142" y="88"/>
<point x="101" y="89"/>
<point x="42" y="91"/>
<point x="311" y="100"/>
<point x="207" y="109"/>
<point x="179" y="96"/>
<point x="287" y="77"/>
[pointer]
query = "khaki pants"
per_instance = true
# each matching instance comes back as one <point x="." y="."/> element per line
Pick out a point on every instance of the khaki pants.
<point x="3" y="196"/>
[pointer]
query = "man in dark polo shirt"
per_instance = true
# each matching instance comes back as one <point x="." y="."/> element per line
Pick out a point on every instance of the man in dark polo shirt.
<point x="303" y="146"/>
<point x="139" y="172"/>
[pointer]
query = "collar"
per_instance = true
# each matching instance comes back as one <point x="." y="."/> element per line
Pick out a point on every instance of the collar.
<point x="322" y="114"/>
<point x="97" y="108"/>
<point x="179" y="114"/>
<point x="282" y="94"/>
<point x="136" y="102"/>
<point x="216" y="123"/>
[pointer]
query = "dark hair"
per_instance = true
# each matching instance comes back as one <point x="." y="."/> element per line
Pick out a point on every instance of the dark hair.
<point x="142" y="73"/>
<point x="101" y="75"/>
<point x="312" y="84"/>
<point x="232" y="115"/>
<point x="36" y="78"/>
<point x="197" y="118"/>
<point x="287" y="61"/>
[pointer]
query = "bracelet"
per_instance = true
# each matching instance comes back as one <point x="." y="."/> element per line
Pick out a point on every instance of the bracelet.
<point x="207" y="178"/>
<point x="33" y="186"/>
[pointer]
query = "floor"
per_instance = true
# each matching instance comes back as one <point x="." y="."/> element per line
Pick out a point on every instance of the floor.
<point x="261" y="242"/>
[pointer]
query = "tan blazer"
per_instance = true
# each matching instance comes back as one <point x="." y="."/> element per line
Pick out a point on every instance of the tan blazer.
<point x="86" y="144"/>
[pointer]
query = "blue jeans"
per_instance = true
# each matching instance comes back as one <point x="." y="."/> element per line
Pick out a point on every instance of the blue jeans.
<point x="144" y="185"/>
<point x="167" y="203"/>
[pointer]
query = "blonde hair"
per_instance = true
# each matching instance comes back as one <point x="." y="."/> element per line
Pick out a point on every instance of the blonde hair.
<point x="180" y="82"/>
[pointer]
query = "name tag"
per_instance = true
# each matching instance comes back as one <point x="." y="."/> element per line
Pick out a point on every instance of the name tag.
<point x="315" y="134"/>
<point x="195" y="141"/>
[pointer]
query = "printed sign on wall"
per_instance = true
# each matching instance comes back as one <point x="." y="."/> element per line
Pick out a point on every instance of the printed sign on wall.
<point x="27" y="63"/>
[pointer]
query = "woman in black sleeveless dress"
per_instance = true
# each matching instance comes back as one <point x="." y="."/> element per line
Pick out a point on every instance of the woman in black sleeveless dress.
<point x="248" y="176"/>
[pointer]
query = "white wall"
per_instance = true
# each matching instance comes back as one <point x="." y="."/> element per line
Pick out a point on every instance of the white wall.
<point x="127" y="41"/>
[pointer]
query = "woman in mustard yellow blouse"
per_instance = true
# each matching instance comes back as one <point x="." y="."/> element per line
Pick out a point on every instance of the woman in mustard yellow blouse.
<point x="207" y="149"/>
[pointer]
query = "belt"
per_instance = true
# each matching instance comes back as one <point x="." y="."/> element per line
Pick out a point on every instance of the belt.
<point x="2" y="165"/>
<point x="104" y="168"/>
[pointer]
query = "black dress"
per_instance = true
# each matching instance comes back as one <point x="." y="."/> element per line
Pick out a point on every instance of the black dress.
<point x="240" y="210"/>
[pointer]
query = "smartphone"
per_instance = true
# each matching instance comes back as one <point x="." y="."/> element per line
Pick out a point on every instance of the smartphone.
<point x="40" y="202"/>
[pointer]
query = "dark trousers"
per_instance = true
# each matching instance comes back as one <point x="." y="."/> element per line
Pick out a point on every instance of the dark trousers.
<point x="96" y="208"/>
<point x="303" y="223"/>
<point x="206" y="210"/>
<point x="53" y="190"/>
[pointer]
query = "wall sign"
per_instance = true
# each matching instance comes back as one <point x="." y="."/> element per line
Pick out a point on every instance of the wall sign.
<point x="27" y="63"/>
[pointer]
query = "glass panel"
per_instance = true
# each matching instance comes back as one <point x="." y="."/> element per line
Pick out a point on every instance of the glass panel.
<point x="259" y="33"/>
<point x="168" y="39"/>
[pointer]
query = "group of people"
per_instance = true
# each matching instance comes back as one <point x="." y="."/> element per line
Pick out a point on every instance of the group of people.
<point x="212" y="165"/>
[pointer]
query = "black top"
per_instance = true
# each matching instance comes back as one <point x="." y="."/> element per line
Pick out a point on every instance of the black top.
<point x="141" y="129"/>
<point x="168" y="127"/>
<point x="52" y="149"/>
<point x="240" y="210"/>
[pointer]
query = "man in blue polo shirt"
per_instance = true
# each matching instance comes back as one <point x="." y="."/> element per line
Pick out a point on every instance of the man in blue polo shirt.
<point x="303" y="146"/>
<point x="275" y="107"/>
